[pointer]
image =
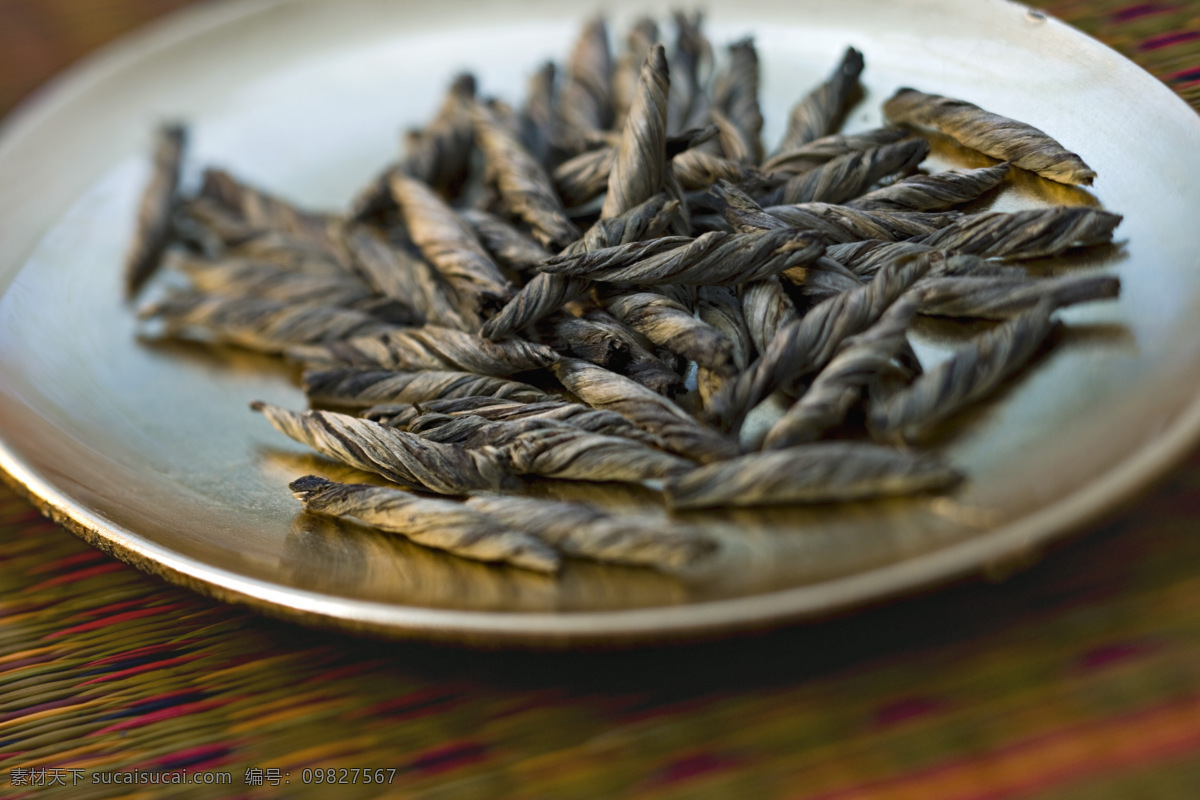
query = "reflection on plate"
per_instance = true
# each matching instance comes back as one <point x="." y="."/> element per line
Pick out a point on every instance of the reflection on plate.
<point x="152" y="453"/>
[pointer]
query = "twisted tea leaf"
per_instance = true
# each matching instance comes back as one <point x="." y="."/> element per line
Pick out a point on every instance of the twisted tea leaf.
<point x="810" y="342"/>
<point x="846" y="177"/>
<point x="1034" y="233"/>
<point x="360" y="388"/>
<point x="155" y="208"/>
<point x="698" y="169"/>
<point x="1001" y="298"/>
<point x="499" y="409"/>
<point x="440" y="155"/>
<point x="638" y="173"/>
<point x="936" y="192"/>
<point x="839" y="224"/>
<point x="240" y="278"/>
<point x="584" y="101"/>
<point x="450" y="246"/>
<point x="867" y="257"/>
<point x="525" y="188"/>
<point x="545" y="294"/>
<point x="258" y="323"/>
<point x="626" y="74"/>
<point x="642" y="365"/>
<point x="735" y="98"/>
<point x="680" y="433"/>
<point x="441" y="524"/>
<point x="712" y="259"/>
<point x="719" y="307"/>
<point x="554" y="449"/>
<point x="539" y="126"/>
<point x="971" y="373"/>
<point x="767" y="309"/>
<point x="669" y="324"/>
<point x="508" y="245"/>
<point x="999" y="137"/>
<point x="403" y="458"/>
<point x="860" y="362"/>
<point x="584" y="531"/>
<point x="813" y="473"/>
<point x="397" y="270"/>
<point x="430" y="348"/>
<point x="691" y="60"/>
<point x="211" y="227"/>
<point x="268" y="212"/>
<point x="585" y="176"/>
<point x="819" y="151"/>
<point x="820" y="113"/>
<point x="582" y="338"/>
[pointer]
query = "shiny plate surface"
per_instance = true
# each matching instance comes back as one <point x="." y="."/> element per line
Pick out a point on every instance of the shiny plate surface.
<point x="150" y="452"/>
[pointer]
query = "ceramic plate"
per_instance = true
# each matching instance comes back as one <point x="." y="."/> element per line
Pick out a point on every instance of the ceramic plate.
<point x="150" y="452"/>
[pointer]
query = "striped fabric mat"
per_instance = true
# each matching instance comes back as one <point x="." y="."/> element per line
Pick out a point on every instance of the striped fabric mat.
<point x="1075" y="679"/>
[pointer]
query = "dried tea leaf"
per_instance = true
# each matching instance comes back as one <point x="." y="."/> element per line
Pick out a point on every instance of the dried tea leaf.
<point x="719" y="307"/>
<point x="155" y="208"/>
<point x="627" y="71"/>
<point x="638" y="173"/>
<point x="846" y="177"/>
<point x="525" y="188"/>
<point x="822" y="110"/>
<point x="241" y="278"/>
<point x="508" y="245"/>
<point x="450" y="246"/>
<point x="860" y="362"/>
<point x="867" y="257"/>
<point x="999" y="137"/>
<point x="936" y="192"/>
<point x="698" y="169"/>
<point x="545" y="294"/>
<point x="396" y="269"/>
<point x="690" y="63"/>
<point x="211" y="227"/>
<point x="811" y="341"/>
<point x="1001" y="298"/>
<point x="681" y="434"/>
<point x="539" y="124"/>
<point x="585" y="101"/>
<point x="1034" y="233"/>
<point x="440" y="155"/>
<point x="553" y="449"/>
<point x="403" y="458"/>
<point x="576" y="415"/>
<point x="813" y="473"/>
<point x="430" y="348"/>
<point x="735" y="99"/>
<point x="767" y="309"/>
<point x="641" y="365"/>
<point x="820" y="151"/>
<point x="269" y="212"/>
<point x="585" y="176"/>
<point x="669" y="324"/>
<point x="582" y="338"/>
<point x="584" y="531"/>
<point x="839" y="224"/>
<point x="968" y="375"/>
<point x="258" y="323"/>
<point x="360" y="388"/>
<point x="441" y="524"/>
<point x="711" y="259"/>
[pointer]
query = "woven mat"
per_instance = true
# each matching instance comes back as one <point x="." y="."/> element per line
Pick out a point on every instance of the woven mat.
<point x="1077" y="678"/>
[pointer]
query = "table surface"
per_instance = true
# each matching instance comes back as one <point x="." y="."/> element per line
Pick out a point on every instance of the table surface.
<point x="1076" y="678"/>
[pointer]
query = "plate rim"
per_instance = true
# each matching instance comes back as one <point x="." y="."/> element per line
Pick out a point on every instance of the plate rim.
<point x="1013" y="545"/>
